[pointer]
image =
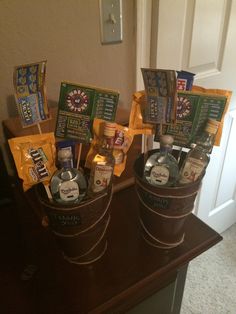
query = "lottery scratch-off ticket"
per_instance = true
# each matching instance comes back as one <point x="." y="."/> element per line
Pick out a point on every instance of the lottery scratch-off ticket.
<point x="30" y="94"/>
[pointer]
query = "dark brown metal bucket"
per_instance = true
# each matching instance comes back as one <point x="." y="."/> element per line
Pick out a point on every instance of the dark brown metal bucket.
<point x="163" y="210"/>
<point x="80" y="230"/>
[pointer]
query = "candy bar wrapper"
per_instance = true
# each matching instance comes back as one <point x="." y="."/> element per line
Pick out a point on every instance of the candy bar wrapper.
<point x="30" y="93"/>
<point x="34" y="157"/>
<point x="71" y="146"/>
<point x="136" y="119"/>
<point x="185" y="80"/>
<point x="122" y="142"/>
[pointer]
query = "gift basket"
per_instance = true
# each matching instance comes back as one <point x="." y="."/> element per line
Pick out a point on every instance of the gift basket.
<point x="186" y="122"/>
<point x="74" y="194"/>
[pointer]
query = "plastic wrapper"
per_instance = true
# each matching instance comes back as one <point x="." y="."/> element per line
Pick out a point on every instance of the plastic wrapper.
<point x="136" y="120"/>
<point x="72" y="147"/>
<point x="122" y="142"/>
<point x="34" y="158"/>
<point x="185" y="80"/>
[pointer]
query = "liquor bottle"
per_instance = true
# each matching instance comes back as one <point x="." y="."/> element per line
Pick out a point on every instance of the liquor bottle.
<point x="198" y="158"/>
<point x="162" y="168"/>
<point x="103" y="163"/>
<point x="118" y="145"/>
<point x="68" y="185"/>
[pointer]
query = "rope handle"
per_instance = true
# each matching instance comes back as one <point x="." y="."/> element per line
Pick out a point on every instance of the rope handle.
<point x="159" y="214"/>
<point x="94" y="246"/>
<point x="157" y="240"/>
<point x="166" y="196"/>
<point x="157" y="246"/>
<point x="90" y="227"/>
<point x="89" y="262"/>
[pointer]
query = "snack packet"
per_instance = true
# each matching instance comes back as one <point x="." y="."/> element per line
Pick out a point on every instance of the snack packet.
<point x="34" y="157"/>
<point x="71" y="146"/>
<point x="136" y="120"/>
<point x="122" y="142"/>
<point x="184" y="80"/>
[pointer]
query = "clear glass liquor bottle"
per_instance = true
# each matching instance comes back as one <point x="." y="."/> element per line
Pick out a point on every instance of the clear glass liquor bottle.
<point x="103" y="163"/>
<point x="198" y="158"/>
<point x="161" y="168"/>
<point x="68" y="185"/>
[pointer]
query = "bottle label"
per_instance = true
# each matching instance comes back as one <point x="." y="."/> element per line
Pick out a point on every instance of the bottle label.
<point x="159" y="175"/>
<point x="192" y="170"/>
<point x="69" y="191"/>
<point x="102" y="177"/>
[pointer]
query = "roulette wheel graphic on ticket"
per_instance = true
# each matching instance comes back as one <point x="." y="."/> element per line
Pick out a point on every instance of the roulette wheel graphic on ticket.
<point x="183" y="107"/>
<point x="77" y="101"/>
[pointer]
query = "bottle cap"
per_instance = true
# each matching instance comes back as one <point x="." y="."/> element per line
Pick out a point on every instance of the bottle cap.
<point x="109" y="129"/>
<point x="166" y="139"/>
<point x="212" y="126"/>
<point x="64" y="154"/>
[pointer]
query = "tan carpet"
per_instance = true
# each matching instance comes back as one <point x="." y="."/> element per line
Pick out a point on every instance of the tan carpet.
<point x="211" y="279"/>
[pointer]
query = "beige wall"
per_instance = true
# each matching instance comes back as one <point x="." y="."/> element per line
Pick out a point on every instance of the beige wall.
<point x="66" y="33"/>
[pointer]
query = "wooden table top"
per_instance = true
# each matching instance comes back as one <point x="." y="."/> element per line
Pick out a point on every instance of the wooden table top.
<point x="129" y="271"/>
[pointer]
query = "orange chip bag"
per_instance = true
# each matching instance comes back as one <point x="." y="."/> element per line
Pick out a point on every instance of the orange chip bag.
<point x="136" y="119"/>
<point x="122" y="142"/>
<point x="34" y="157"/>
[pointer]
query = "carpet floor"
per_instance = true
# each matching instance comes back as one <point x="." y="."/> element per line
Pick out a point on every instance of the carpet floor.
<point x="211" y="279"/>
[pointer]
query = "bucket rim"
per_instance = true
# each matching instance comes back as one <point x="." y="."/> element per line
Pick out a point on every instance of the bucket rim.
<point x="72" y="206"/>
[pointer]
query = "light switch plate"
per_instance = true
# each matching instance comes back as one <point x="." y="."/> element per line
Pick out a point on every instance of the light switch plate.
<point x="111" y="21"/>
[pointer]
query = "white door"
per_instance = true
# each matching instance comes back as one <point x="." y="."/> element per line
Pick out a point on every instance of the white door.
<point x="199" y="36"/>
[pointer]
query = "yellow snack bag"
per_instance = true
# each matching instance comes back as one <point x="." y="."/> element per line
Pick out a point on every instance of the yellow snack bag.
<point x="34" y="157"/>
<point x="136" y="119"/>
<point x="122" y="142"/>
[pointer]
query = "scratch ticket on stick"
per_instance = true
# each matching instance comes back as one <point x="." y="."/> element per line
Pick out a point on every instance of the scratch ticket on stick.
<point x="194" y="109"/>
<point x="79" y="105"/>
<point x="30" y="94"/>
<point x="160" y="88"/>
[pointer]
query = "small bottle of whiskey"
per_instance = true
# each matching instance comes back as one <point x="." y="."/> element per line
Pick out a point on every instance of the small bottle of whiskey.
<point x="161" y="168"/>
<point x="198" y="158"/>
<point x="68" y="185"/>
<point x="103" y="163"/>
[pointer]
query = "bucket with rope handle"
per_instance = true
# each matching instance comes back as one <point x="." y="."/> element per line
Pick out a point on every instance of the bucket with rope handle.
<point x="163" y="211"/>
<point x="80" y="229"/>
